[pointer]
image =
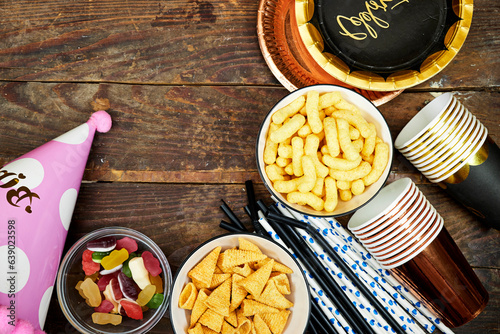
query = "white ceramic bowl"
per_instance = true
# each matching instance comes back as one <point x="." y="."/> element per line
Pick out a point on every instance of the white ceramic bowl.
<point x="368" y="111"/>
<point x="299" y="317"/>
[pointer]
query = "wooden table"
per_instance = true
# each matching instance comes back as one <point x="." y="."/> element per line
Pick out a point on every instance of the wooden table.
<point x="188" y="88"/>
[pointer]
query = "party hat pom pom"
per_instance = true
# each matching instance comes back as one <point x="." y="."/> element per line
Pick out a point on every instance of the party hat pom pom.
<point x="101" y="121"/>
<point x="23" y="327"/>
<point x="5" y="327"/>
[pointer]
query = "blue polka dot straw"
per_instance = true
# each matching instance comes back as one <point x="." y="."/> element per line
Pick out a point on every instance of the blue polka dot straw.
<point x="402" y="303"/>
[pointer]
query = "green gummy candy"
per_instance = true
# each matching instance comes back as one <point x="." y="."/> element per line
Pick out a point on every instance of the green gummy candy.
<point x="98" y="256"/>
<point x="126" y="268"/>
<point x="155" y="301"/>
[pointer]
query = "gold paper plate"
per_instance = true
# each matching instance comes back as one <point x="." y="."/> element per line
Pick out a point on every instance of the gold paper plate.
<point x="341" y="62"/>
<point x="287" y="57"/>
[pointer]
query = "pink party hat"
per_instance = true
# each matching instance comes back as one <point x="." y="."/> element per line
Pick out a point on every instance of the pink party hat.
<point x="38" y="192"/>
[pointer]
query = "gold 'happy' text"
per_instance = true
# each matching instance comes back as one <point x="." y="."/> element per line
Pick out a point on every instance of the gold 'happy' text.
<point x="366" y="19"/>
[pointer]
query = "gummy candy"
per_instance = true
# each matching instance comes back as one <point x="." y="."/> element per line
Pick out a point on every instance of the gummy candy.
<point x="97" y="256"/>
<point x="115" y="289"/>
<point x="80" y="291"/>
<point x="111" y="271"/>
<point x="105" y="244"/>
<point x="132" y="309"/>
<point x="91" y="292"/>
<point x="89" y="266"/>
<point x="156" y="301"/>
<point x="146" y="294"/>
<point x="139" y="272"/>
<point x="128" y="287"/>
<point x="104" y="281"/>
<point x="106" y="318"/>
<point x="108" y="295"/>
<point x="158" y="282"/>
<point x="128" y="243"/>
<point x="151" y="263"/>
<point x="105" y="307"/>
<point x="114" y="259"/>
<point x="126" y="269"/>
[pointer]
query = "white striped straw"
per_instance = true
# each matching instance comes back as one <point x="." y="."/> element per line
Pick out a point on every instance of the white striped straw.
<point x="353" y="244"/>
<point x="334" y="314"/>
<point x="400" y="316"/>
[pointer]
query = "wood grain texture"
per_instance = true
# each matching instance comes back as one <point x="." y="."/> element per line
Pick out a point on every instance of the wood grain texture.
<point x="180" y="42"/>
<point x="188" y="89"/>
<point x="208" y="133"/>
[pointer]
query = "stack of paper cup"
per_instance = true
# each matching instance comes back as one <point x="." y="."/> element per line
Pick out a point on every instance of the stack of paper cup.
<point x="406" y="235"/>
<point x="450" y="146"/>
<point x="402" y="222"/>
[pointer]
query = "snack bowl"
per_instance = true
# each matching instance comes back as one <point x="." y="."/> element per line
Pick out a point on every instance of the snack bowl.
<point x="73" y="305"/>
<point x="299" y="291"/>
<point x="367" y="110"/>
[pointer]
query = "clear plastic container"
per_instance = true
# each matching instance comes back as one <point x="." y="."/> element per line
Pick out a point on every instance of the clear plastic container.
<point x="74" y="307"/>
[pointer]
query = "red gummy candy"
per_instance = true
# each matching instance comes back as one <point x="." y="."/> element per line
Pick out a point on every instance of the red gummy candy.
<point x="115" y="287"/>
<point x="151" y="263"/>
<point x="89" y="266"/>
<point x="103" y="282"/>
<point x="133" y="310"/>
<point x="129" y="244"/>
<point x="105" y="307"/>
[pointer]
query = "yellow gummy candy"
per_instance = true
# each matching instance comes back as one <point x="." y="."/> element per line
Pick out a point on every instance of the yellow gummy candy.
<point x="91" y="291"/>
<point x="146" y="294"/>
<point x="106" y="318"/>
<point x="115" y="258"/>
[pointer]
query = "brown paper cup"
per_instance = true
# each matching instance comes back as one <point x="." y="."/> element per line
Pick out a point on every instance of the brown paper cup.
<point x="443" y="280"/>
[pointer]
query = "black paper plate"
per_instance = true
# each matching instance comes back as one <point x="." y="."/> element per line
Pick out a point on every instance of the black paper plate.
<point x="382" y="45"/>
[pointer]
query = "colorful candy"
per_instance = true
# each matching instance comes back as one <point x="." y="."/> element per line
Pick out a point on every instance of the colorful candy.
<point x="151" y="263"/>
<point x="128" y="243"/>
<point x="98" y="256"/>
<point x="105" y="307"/>
<point x="145" y="295"/>
<point x="156" y="301"/>
<point x="104" y="281"/>
<point x="120" y="280"/>
<point x="126" y="268"/>
<point x="157" y="282"/>
<point x="105" y="244"/>
<point x="115" y="289"/>
<point x="139" y="272"/>
<point x="89" y="266"/>
<point x="106" y="318"/>
<point x="91" y="292"/>
<point x="132" y="309"/>
<point x="128" y="287"/>
<point x="114" y="259"/>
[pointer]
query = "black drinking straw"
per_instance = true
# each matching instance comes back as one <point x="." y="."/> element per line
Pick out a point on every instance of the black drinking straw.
<point x="312" y="264"/>
<point x="322" y="322"/>
<point x="232" y="217"/>
<point x="229" y="227"/>
<point x="279" y="218"/>
<point x="252" y="208"/>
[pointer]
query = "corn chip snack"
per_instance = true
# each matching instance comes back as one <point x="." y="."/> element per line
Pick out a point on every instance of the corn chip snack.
<point x="327" y="137"/>
<point x="235" y="303"/>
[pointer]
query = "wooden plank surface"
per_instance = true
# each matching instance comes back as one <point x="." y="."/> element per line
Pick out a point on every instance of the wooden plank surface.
<point x="188" y="88"/>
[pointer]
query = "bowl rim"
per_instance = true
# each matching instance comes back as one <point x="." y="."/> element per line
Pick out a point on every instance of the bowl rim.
<point x="80" y="244"/>
<point x="297" y="93"/>
<point x="235" y="235"/>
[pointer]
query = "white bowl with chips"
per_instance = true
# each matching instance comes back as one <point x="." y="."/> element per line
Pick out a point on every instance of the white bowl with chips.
<point x="368" y="111"/>
<point x="299" y="317"/>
